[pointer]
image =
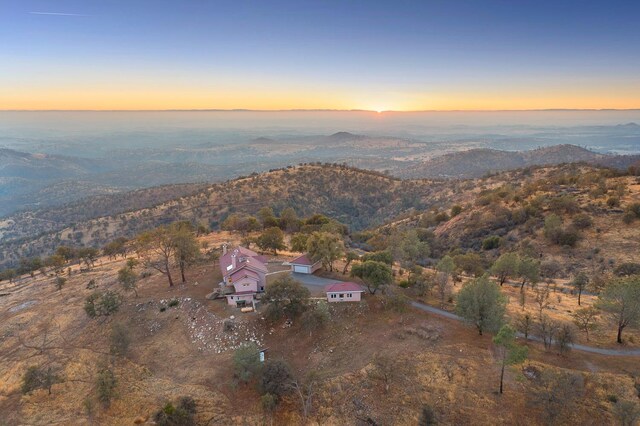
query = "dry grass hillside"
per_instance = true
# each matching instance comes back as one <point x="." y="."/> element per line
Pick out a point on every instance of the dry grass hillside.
<point x="180" y="349"/>
<point x="356" y="197"/>
<point x="513" y="206"/>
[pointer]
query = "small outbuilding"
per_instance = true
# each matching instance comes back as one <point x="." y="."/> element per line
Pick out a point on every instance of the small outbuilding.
<point x="344" y="292"/>
<point x="304" y="265"/>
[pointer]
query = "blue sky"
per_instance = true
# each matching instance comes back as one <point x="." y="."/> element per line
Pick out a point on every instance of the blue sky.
<point x="329" y="54"/>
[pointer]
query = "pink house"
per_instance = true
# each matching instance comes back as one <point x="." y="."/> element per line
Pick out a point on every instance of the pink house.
<point x="243" y="275"/>
<point x="343" y="292"/>
<point x="304" y="265"/>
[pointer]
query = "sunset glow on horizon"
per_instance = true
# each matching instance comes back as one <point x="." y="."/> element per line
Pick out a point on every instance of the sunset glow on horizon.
<point x="494" y="55"/>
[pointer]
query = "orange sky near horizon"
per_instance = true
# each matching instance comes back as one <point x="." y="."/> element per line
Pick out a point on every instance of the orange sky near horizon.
<point x="165" y="99"/>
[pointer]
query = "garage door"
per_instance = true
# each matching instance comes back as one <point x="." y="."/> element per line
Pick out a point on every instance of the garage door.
<point x="301" y="269"/>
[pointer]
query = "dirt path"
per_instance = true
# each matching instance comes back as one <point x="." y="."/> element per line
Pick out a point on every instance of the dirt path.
<point x="576" y="346"/>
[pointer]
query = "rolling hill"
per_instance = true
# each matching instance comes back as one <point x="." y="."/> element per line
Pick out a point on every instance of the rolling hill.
<point x="358" y="198"/>
<point x="479" y="162"/>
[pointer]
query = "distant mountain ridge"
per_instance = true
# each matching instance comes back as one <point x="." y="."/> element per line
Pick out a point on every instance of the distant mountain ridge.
<point x="475" y="163"/>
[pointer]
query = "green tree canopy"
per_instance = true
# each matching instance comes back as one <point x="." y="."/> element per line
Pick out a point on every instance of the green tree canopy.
<point x="505" y="266"/>
<point x="285" y="297"/>
<point x="326" y="248"/>
<point x="481" y="304"/>
<point x="128" y="279"/>
<point x="528" y="271"/>
<point x="271" y="239"/>
<point x="246" y="362"/>
<point x="509" y="352"/>
<point x="374" y="274"/>
<point x="621" y="300"/>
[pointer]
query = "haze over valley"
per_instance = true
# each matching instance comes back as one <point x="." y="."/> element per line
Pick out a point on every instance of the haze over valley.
<point x="51" y="158"/>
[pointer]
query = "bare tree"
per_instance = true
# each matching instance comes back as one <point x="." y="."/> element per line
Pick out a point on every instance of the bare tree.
<point x="524" y="324"/>
<point x="585" y="319"/>
<point x="542" y="298"/>
<point x="157" y="250"/>
<point x="547" y="330"/>
<point x="383" y="370"/>
<point x="306" y="390"/>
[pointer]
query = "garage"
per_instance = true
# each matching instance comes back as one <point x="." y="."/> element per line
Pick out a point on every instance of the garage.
<point x="301" y="269"/>
<point x="304" y="265"/>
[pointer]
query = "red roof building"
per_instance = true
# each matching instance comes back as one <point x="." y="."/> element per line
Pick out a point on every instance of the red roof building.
<point x="304" y="265"/>
<point x="343" y="292"/>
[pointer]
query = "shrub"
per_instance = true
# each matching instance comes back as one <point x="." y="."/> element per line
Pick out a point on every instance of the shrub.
<point x="550" y="268"/>
<point x="119" y="340"/>
<point x="268" y="402"/>
<point x="635" y="209"/>
<point x="379" y="256"/>
<point x="613" y="202"/>
<point x="39" y="378"/>
<point x="456" y="210"/>
<point x="564" y="203"/>
<point x="582" y="221"/>
<point x="568" y="237"/>
<point x="427" y="416"/>
<point x="106" y="386"/>
<point x="397" y="301"/>
<point x="246" y="362"/>
<point x="181" y="415"/>
<point x="276" y="378"/>
<point x="627" y="269"/>
<point x="102" y="304"/>
<point x="60" y="282"/>
<point x="628" y="218"/>
<point x="173" y="302"/>
<point x="316" y="318"/>
<point x="492" y="242"/>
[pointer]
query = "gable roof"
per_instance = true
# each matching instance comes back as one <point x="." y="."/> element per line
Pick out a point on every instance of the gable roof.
<point x="242" y="273"/>
<point x="302" y="260"/>
<point x="338" y="287"/>
<point x="252" y="260"/>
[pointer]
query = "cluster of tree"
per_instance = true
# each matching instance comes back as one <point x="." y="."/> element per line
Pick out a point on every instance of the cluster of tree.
<point x="511" y="265"/>
<point x="115" y="248"/>
<point x="288" y="298"/>
<point x="56" y="262"/>
<point x="288" y="221"/>
<point x="169" y="246"/>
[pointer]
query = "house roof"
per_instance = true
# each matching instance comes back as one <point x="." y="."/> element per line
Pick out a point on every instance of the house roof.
<point x="244" y="257"/>
<point x="302" y="260"/>
<point x="244" y="272"/>
<point x="341" y="287"/>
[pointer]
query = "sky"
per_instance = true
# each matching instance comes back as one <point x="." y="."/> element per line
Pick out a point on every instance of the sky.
<point x="274" y="55"/>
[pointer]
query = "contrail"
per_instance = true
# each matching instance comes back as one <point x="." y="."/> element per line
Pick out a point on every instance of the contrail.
<point x="56" y="14"/>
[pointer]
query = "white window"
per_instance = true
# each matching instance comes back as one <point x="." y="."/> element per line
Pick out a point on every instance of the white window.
<point x="333" y="295"/>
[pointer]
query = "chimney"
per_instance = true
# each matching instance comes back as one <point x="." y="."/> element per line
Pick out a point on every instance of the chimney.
<point x="224" y="248"/>
<point x="233" y="260"/>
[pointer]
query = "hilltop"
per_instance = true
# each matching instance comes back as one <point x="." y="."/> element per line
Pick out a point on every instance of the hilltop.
<point x="478" y="162"/>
